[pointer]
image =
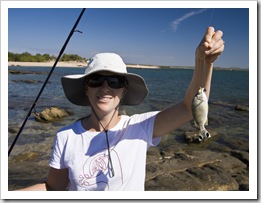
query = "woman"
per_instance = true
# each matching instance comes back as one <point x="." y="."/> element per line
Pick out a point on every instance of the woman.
<point x="106" y="150"/>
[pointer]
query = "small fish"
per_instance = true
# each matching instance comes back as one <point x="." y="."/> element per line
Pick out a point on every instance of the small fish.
<point x="200" y="114"/>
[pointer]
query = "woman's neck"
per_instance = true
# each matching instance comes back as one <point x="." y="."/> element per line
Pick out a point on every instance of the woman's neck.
<point x="98" y="123"/>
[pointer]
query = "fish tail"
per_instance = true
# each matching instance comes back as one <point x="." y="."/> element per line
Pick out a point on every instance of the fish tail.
<point x="203" y="135"/>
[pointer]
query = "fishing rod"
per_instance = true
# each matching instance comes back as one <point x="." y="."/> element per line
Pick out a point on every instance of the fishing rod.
<point x="49" y="75"/>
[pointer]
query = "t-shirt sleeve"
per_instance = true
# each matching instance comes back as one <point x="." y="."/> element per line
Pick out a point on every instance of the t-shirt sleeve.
<point x="147" y="123"/>
<point x="57" y="157"/>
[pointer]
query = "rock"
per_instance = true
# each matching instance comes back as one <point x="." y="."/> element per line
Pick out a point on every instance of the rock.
<point x="153" y="154"/>
<point x="28" y="156"/>
<point x="27" y="81"/>
<point x="241" y="108"/>
<point x="200" y="170"/>
<point x="13" y="130"/>
<point x="243" y="181"/>
<point x="244" y="187"/>
<point x="166" y="154"/>
<point x="51" y="114"/>
<point x="213" y="178"/>
<point x="241" y="155"/>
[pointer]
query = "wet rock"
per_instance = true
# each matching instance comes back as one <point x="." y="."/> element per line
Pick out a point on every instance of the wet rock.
<point x="202" y="170"/>
<point x="213" y="177"/>
<point x="241" y="108"/>
<point x="241" y="155"/>
<point x="243" y="181"/>
<point x="235" y="142"/>
<point x="13" y="129"/>
<point x="166" y="154"/>
<point x="51" y="114"/>
<point x="153" y="154"/>
<point x="28" y="156"/>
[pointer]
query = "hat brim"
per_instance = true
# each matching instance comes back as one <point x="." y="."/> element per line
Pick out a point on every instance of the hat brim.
<point x="73" y="86"/>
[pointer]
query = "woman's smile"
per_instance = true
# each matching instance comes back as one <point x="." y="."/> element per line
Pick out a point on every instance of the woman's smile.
<point x="104" y="99"/>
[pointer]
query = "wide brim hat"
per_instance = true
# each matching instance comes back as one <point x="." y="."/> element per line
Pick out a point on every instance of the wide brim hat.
<point x="74" y="85"/>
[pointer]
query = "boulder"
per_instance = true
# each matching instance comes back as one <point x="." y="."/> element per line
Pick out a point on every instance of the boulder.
<point x="51" y="114"/>
<point x="241" y="108"/>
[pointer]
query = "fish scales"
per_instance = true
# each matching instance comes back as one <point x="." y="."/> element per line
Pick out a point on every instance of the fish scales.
<point x="200" y="113"/>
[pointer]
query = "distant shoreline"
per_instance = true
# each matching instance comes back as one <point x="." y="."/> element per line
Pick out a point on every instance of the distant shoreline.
<point x="69" y="64"/>
<point x="75" y="64"/>
<point x="48" y="64"/>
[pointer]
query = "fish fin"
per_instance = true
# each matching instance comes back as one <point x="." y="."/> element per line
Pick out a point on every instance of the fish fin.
<point x="207" y="118"/>
<point x="206" y="122"/>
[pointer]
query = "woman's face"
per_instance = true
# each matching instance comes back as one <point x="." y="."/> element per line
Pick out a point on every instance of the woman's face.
<point x="104" y="98"/>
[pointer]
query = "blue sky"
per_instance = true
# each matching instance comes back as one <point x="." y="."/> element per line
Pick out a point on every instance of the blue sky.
<point x="159" y="36"/>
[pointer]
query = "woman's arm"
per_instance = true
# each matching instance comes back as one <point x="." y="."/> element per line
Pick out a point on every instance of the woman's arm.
<point x="57" y="181"/>
<point x="207" y="52"/>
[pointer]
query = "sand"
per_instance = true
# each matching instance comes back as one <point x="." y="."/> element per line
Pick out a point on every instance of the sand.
<point x="69" y="64"/>
<point x="48" y="64"/>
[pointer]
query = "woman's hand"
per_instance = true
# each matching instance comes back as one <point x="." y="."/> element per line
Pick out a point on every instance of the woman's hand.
<point x="211" y="46"/>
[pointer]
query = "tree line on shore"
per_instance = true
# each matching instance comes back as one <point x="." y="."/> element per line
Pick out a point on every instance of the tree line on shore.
<point x="27" y="57"/>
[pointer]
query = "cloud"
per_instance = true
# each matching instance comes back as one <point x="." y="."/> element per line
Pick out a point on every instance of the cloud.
<point x="177" y="22"/>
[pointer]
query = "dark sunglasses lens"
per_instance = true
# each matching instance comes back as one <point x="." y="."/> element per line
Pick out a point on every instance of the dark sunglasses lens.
<point x="115" y="82"/>
<point x="94" y="82"/>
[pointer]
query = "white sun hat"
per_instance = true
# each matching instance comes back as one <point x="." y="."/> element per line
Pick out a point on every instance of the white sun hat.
<point x="74" y="85"/>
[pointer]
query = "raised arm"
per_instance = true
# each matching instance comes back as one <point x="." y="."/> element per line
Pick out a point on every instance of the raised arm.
<point x="210" y="47"/>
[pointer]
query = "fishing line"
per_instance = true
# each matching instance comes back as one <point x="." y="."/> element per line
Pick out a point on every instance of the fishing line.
<point x="49" y="75"/>
<point x="211" y="17"/>
<point x="204" y="62"/>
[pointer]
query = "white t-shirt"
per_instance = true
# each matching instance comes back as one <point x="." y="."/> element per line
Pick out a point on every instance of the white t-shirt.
<point x="85" y="154"/>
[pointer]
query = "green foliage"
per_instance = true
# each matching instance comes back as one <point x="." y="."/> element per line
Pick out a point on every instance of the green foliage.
<point x="27" y="57"/>
<point x="72" y="57"/>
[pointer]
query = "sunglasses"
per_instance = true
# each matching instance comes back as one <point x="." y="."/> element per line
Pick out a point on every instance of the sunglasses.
<point x="114" y="81"/>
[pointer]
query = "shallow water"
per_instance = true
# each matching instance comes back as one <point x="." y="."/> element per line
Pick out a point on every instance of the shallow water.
<point x="28" y="163"/>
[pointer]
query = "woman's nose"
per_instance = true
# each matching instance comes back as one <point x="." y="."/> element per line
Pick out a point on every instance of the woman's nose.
<point x="105" y="84"/>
